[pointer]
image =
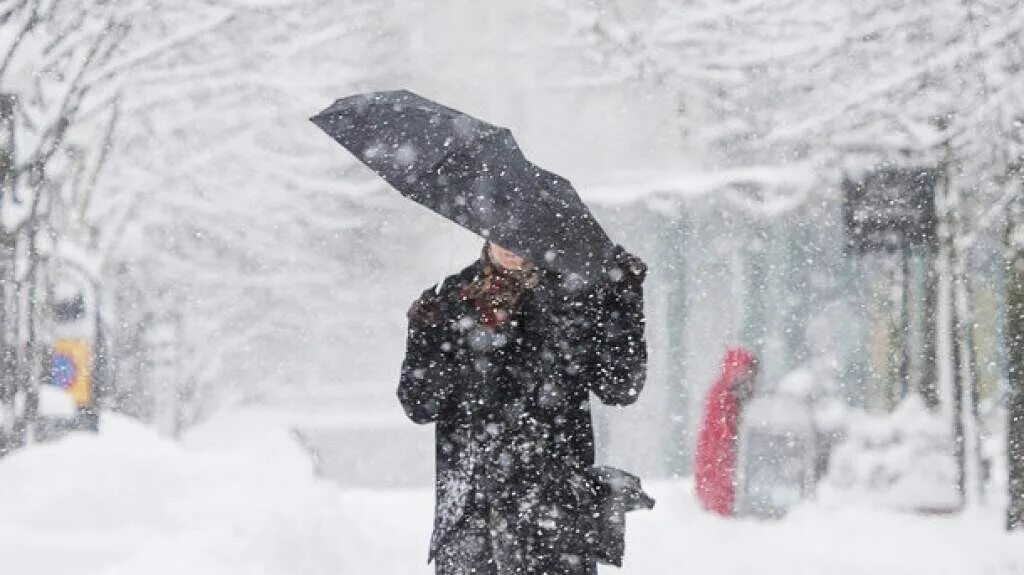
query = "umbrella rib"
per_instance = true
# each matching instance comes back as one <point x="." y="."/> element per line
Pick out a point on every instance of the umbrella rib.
<point x="433" y="168"/>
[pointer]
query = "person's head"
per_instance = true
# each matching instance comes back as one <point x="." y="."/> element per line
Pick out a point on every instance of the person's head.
<point x="504" y="257"/>
<point x="741" y="367"/>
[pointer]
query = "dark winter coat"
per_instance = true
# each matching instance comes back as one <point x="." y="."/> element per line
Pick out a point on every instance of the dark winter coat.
<point x="514" y="439"/>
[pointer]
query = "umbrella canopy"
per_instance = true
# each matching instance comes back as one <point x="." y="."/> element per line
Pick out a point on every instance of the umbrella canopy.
<point x="472" y="173"/>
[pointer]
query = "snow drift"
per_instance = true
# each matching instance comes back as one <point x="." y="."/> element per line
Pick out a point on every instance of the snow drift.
<point x="238" y="496"/>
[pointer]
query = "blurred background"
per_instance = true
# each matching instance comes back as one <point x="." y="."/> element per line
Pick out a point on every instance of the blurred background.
<point x="833" y="186"/>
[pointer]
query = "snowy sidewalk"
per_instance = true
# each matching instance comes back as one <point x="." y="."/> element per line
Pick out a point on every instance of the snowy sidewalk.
<point x="238" y="497"/>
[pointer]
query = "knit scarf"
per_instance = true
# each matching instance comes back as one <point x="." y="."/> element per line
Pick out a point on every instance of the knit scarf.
<point x="496" y="291"/>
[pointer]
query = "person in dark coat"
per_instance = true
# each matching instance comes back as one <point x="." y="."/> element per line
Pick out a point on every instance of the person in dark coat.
<point x="503" y="358"/>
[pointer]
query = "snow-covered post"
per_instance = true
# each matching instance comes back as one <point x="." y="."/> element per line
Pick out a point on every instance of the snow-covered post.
<point x="959" y="328"/>
<point x="163" y="339"/>
<point x="963" y="337"/>
<point x="947" y="321"/>
<point x="974" y="488"/>
<point x="1015" y="339"/>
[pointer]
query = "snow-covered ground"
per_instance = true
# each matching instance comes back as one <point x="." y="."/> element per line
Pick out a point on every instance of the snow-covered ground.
<point x="238" y="496"/>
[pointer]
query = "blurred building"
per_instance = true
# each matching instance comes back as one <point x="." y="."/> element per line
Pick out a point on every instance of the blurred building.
<point x="731" y="268"/>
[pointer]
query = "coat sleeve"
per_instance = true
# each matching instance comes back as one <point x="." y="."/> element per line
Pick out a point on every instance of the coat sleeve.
<point x="426" y="385"/>
<point x="618" y="360"/>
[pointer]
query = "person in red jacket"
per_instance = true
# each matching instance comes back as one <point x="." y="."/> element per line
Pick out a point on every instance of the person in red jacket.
<point x="715" y="465"/>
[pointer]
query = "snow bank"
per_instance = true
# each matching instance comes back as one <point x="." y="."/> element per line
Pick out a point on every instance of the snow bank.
<point x="815" y="539"/>
<point x="237" y="496"/>
<point x="902" y="460"/>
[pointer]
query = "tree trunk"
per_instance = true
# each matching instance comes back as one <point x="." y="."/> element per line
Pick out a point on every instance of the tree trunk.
<point x="904" y="334"/>
<point x="928" y="386"/>
<point x="957" y="399"/>
<point x="8" y="294"/>
<point x="8" y="344"/>
<point x="948" y="279"/>
<point x="34" y="352"/>
<point x="1015" y="409"/>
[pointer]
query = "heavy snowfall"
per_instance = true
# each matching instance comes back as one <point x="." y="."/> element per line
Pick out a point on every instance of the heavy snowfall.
<point x="807" y="343"/>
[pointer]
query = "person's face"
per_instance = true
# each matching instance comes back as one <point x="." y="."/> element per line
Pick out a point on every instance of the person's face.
<point x="744" y="385"/>
<point x="505" y="258"/>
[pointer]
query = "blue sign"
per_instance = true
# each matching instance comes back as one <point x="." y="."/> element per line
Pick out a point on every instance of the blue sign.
<point x="63" y="371"/>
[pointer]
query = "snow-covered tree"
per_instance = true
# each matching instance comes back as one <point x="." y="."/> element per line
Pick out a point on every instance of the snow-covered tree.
<point x="255" y="227"/>
<point x="62" y="66"/>
<point x="842" y="87"/>
<point x="775" y="83"/>
<point x="58" y="73"/>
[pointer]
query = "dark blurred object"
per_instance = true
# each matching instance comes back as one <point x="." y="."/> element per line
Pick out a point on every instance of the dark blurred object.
<point x="776" y="456"/>
<point x="618" y="492"/>
<point x="70" y="309"/>
<point x="890" y="209"/>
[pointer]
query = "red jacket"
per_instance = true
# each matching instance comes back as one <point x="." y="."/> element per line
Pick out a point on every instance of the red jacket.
<point x="715" y="464"/>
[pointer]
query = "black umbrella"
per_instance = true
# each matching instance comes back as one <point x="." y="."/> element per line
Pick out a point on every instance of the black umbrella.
<point x="474" y="174"/>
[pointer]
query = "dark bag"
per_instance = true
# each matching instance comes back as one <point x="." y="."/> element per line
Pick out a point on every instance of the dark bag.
<point x="604" y="494"/>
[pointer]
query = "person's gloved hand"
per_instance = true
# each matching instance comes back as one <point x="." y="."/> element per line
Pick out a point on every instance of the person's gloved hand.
<point x="426" y="310"/>
<point x="628" y="269"/>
